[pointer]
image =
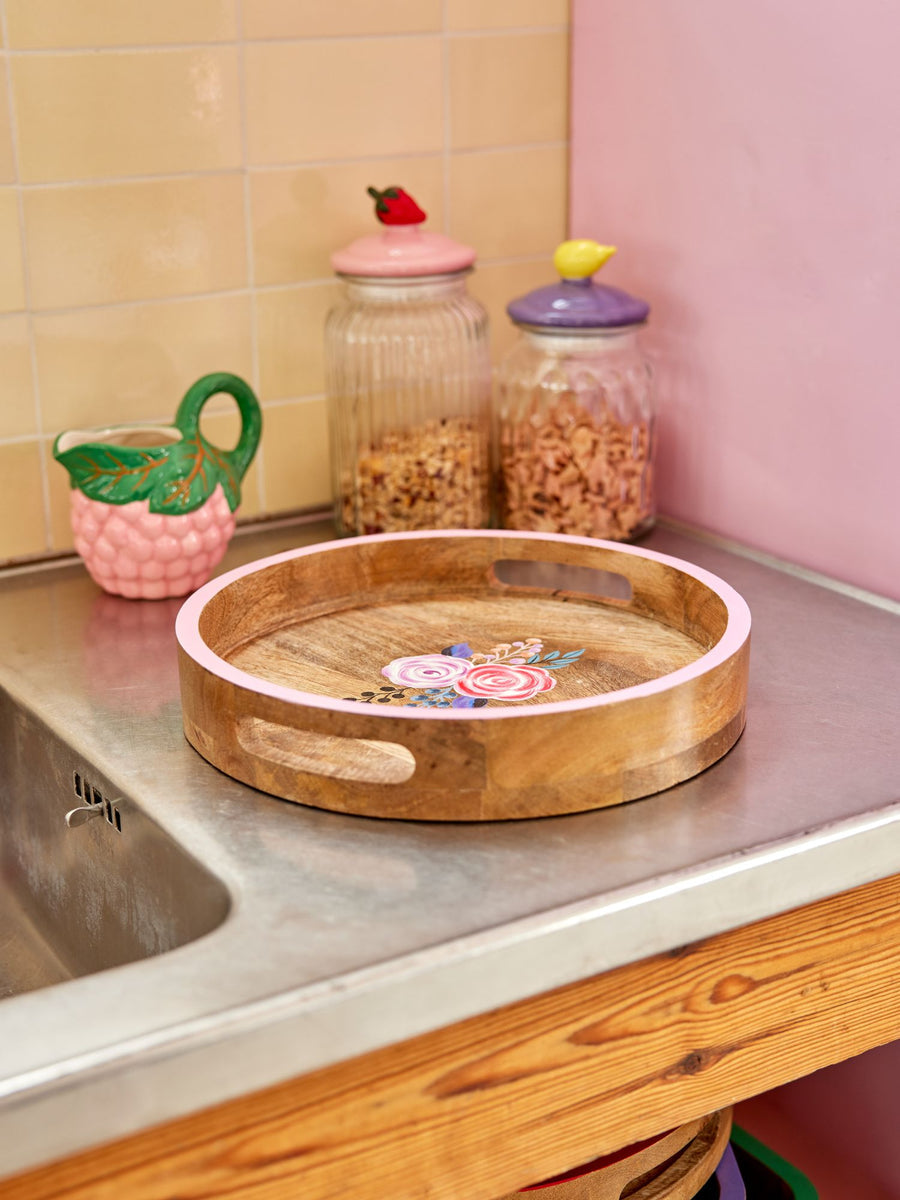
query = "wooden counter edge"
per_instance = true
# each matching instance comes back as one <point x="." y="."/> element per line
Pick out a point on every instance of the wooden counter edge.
<point x="488" y="1105"/>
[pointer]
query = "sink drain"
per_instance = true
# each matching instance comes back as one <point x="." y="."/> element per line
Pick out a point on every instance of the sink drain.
<point x="94" y="804"/>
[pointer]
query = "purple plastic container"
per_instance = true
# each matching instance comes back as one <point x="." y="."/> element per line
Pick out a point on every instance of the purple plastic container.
<point x="728" y="1177"/>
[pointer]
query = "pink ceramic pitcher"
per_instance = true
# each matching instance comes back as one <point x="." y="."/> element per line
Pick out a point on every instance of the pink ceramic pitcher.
<point x="153" y="505"/>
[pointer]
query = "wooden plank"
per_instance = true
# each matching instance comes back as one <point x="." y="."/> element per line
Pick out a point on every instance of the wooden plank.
<point x="491" y="1104"/>
<point x="676" y="1158"/>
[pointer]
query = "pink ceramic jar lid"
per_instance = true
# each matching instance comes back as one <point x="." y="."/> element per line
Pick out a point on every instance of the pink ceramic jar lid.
<point x="403" y="249"/>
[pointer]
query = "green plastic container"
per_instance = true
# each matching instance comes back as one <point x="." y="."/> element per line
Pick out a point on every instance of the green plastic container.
<point x="766" y="1175"/>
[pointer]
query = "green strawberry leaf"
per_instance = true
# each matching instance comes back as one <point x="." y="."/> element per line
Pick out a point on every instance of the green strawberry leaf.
<point x="114" y="474"/>
<point x="176" y="479"/>
<point x="194" y="469"/>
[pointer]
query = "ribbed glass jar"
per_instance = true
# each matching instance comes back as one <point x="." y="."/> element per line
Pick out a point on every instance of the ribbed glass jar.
<point x="408" y="377"/>
<point x="575" y="434"/>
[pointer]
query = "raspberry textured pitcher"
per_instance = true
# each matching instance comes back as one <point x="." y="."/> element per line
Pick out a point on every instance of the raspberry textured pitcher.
<point x="153" y="506"/>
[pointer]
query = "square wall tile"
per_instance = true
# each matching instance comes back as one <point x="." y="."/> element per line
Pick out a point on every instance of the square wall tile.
<point x="495" y="284"/>
<point x="295" y="456"/>
<point x="7" y="156"/>
<point x="505" y="14"/>
<point x="508" y="88"/>
<point x="322" y="100"/>
<point x="291" y="324"/>
<point x="64" y="24"/>
<point x="60" y="493"/>
<point x="135" y="241"/>
<point x="104" y="366"/>
<point x="510" y="202"/>
<point x="301" y="216"/>
<point x="90" y="116"/>
<point x="22" y="529"/>
<point x="324" y="18"/>
<point x="18" y="417"/>
<point x="12" y="280"/>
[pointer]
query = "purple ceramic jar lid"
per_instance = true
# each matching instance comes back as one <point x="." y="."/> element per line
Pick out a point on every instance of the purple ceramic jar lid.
<point x="576" y="302"/>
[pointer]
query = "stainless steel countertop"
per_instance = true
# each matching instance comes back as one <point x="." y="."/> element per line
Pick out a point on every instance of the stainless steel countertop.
<point x="348" y="934"/>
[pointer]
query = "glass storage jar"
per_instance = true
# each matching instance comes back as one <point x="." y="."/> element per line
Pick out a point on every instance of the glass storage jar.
<point x="408" y="378"/>
<point x="574" y="419"/>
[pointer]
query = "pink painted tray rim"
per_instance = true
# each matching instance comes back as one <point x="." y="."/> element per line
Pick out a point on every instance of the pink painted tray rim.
<point x="187" y="632"/>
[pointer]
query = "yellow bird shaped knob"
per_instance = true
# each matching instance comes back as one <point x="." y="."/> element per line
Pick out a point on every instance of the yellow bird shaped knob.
<point x="581" y="257"/>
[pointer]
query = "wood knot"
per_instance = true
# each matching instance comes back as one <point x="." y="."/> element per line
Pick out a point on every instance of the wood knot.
<point x="692" y="1064"/>
<point x="731" y="988"/>
<point x="698" y="1060"/>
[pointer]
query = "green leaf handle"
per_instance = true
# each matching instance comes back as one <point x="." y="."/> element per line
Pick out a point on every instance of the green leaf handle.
<point x="175" y="478"/>
<point x="187" y="418"/>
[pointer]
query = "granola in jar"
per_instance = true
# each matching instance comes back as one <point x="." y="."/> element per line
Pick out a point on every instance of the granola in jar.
<point x="574" y="408"/>
<point x="434" y="476"/>
<point x="562" y="469"/>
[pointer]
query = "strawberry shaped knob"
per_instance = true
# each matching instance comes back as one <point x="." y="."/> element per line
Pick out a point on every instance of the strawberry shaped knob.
<point x="393" y="206"/>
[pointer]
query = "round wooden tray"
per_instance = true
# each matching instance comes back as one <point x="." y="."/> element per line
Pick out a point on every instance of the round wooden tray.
<point x="470" y="675"/>
<point x="672" y="1167"/>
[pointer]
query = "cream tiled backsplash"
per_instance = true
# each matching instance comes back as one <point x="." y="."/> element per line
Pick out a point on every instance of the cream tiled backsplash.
<point x="174" y="177"/>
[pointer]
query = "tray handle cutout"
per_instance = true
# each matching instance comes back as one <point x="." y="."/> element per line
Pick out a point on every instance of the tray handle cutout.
<point x="360" y="760"/>
<point x="563" y="577"/>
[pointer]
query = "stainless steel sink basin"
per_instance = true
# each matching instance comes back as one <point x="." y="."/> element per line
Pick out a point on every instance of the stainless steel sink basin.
<point x="104" y="888"/>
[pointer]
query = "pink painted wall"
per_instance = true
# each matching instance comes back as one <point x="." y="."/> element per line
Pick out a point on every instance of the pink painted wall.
<point x="745" y="157"/>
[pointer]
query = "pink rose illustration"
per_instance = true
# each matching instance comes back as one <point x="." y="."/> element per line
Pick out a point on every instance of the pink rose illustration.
<point x="426" y="670"/>
<point x="504" y="681"/>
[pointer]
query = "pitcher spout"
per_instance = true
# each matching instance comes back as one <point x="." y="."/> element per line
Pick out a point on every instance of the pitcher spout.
<point x="116" y="435"/>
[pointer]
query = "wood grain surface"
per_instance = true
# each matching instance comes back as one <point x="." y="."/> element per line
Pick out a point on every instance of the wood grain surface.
<point x="328" y="623"/>
<point x="340" y="654"/>
<point x="663" y="1167"/>
<point x="517" y="1095"/>
<point x="684" y="1177"/>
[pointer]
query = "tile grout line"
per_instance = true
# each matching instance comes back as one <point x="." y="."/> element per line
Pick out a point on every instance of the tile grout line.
<point x="26" y="287"/>
<point x="445" y="114"/>
<point x="506" y="260"/>
<point x="46" y="439"/>
<point x="216" y="410"/>
<point x="285" y="401"/>
<point x="567" y="227"/>
<point x="248" y="234"/>
<point x="24" y="439"/>
<point x="305" y="165"/>
<point x="292" y="40"/>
